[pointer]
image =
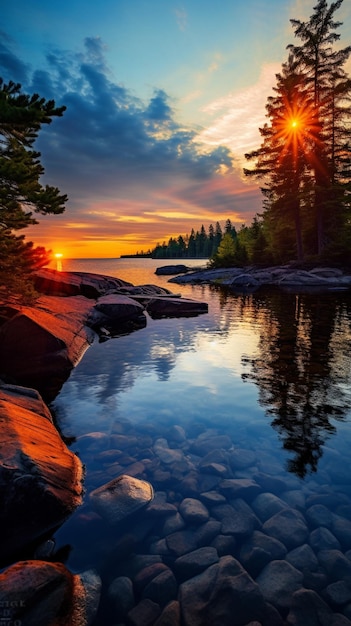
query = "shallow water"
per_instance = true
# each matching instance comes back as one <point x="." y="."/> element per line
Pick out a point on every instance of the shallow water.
<point x="272" y="372"/>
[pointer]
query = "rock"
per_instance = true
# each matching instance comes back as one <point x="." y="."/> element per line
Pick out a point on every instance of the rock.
<point x="288" y="526"/>
<point x="303" y="558"/>
<point x="44" y="594"/>
<point x="121" y="497"/>
<point x="181" y="542"/>
<point x="120" y="596"/>
<point x="193" y="511"/>
<point x="278" y="581"/>
<point x="336" y="564"/>
<point x="235" y="521"/>
<point x="147" y="574"/>
<point x="90" y="285"/>
<point x="208" y="442"/>
<point x="223" y="594"/>
<point x="341" y="528"/>
<point x="323" y="280"/>
<point x="162" y="589"/>
<point x="39" y="346"/>
<point x="338" y="593"/>
<point x="166" y="454"/>
<point x="40" y="479"/>
<point x="91" y="582"/>
<point x="319" y="515"/>
<point x="170" y="615"/>
<point x="175" y="307"/>
<point x="240" y="458"/>
<point x="308" y="609"/>
<point x="259" y="550"/>
<point x="267" y="504"/>
<point x="165" y="270"/>
<point x="144" y="614"/>
<point x="224" y="544"/>
<point x="113" y="309"/>
<point x="322" y="539"/>
<point x="193" y="563"/>
<point x="239" y="488"/>
<point x="173" y="524"/>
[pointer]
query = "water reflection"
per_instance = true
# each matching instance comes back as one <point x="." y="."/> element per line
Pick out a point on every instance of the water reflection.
<point x="303" y="372"/>
<point x="295" y="350"/>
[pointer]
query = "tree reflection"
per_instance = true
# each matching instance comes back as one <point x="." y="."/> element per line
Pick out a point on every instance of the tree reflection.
<point x="302" y="371"/>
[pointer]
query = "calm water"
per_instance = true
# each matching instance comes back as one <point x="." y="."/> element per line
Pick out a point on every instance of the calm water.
<point x="270" y="371"/>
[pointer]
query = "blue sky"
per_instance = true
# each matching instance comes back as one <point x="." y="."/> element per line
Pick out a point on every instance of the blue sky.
<point x="163" y="99"/>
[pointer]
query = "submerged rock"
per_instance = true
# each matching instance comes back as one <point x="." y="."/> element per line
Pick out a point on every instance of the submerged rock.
<point x="40" y="479"/>
<point x="47" y="594"/>
<point x="121" y="497"/>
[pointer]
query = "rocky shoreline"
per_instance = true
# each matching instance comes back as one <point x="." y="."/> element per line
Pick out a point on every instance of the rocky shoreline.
<point x="251" y="279"/>
<point x="202" y="532"/>
<point x="41" y="480"/>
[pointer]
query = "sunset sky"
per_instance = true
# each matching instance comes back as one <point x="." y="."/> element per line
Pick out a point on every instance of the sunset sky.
<point x="163" y="99"/>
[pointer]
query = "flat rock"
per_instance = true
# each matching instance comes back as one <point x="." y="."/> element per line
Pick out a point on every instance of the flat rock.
<point x="88" y="284"/>
<point x="175" y="307"/>
<point x="40" y="478"/>
<point x="165" y="270"/>
<point x="115" y="308"/>
<point x="240" y="488"/>
<point x="121" y="497"/>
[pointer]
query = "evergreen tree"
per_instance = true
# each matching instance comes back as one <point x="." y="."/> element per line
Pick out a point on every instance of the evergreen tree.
<point x="322" y="67"/>
<point x="21" y="193"/>
<point x="305" y="153"/>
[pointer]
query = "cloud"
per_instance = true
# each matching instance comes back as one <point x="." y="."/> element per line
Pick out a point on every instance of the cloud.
<point x="238" y="116"/>
<point x="114" y="154"/>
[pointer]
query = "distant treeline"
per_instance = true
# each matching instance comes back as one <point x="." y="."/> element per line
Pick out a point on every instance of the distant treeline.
<point x="198" y="245"/>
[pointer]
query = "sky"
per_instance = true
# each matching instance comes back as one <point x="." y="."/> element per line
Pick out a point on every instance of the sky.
<point x="163" y="97"/>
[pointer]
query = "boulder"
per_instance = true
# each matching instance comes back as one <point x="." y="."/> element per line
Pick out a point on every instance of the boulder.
<point x="47" y="594"/>
<point x="40" y="478"/>
<point x="114" y="308"/>
<point x="278" y="581"/>
<point x="175" y="307"/>
<point x="223" y="594"/>
<point x="121" y="497"/>
<point x="90" y="285"/>
<point x="40" y="345"/>
<point x="171" y="269"/>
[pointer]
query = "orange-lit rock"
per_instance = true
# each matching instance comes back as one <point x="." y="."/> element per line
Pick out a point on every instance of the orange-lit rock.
<point x="47" y="594"/>
<point x="56" y="283"/>
<point x="40" y="345"/>
<point x="40" y="478"/>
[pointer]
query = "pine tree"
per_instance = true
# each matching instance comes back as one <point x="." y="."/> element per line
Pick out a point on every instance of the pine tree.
<point x="305" y="153"/>
<point x="21" y="192"/>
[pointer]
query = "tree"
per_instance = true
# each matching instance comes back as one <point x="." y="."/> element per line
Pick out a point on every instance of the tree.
<point x="21" y="192"/>
<point x="225" y="255"/>
<point x="322" y="67"/>
<point x="305" y="153"/>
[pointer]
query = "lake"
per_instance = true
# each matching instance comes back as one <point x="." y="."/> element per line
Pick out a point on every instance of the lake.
<point x="265" y="375"/>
